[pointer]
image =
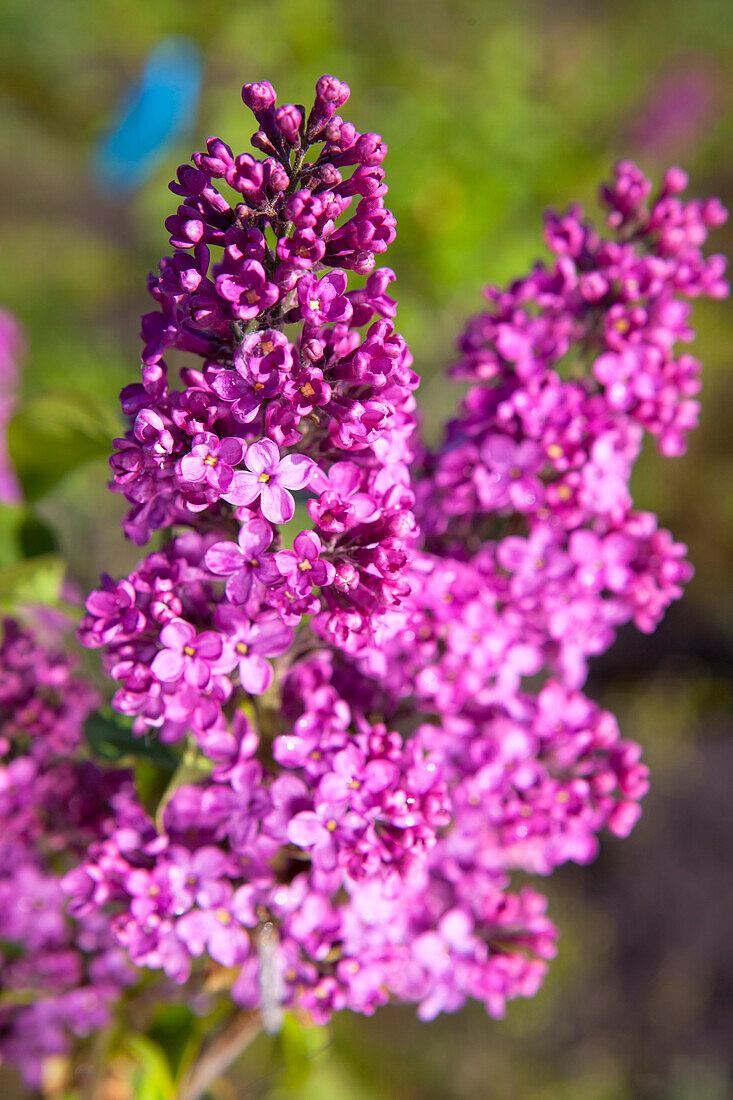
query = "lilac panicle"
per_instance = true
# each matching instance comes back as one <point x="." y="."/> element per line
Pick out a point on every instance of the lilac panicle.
<point x="60" y="979"/>
<point x="375" y="651"/>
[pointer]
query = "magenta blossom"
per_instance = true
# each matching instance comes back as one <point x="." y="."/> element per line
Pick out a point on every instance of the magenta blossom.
<point x="602" y="562"/>
<point x="195" y="657"/>
<point x="244" y="396"/>
<point x="320" y="831"/>
<point x="341" y="503"/>
<point x="249" y="292"/>
<point x="251" y="643"/>
<point x="211" y="460"/>
<point x="302" y="567"/>
<point x="510" y="474"/>
<point x="113" y="608"/>
<point x="246" y="564"/>
<point x="217" y="929"/>
<point x="322" y="300"/>
<point x="269" y="478"/>
<point x="263" y="353"/>
<point x="356" y="780"/>
<point x="366" y="817"/>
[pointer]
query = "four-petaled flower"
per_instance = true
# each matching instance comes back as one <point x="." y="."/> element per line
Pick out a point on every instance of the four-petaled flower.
<point x="211" y="461"/>
<point x="301" y="566"/>
<point x="250" y="643"/>
<point x="602" y="562"/>
<point x="248" y="291"/>
<point x="509" y="475"/>
<point x="113" y="610"/>
<point x="195" y="657"/>
<point x="319" y="831"/>
<point x="218" y="928"/>
<point x="341" y="504"/>
<point x="356" y="780"/>
<point x="269" y="477"/>
<point x="323" y="301"/>
<point x="245" y="395"/>
<point x="246" y="563"/>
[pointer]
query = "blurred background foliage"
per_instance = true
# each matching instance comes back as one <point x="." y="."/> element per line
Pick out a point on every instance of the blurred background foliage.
<point x="492" y="109"/>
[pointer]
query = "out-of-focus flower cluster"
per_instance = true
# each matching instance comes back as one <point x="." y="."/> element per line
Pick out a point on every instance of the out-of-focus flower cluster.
<point x="58" y="978"/>
<point x="369" y="655"/>
<point x="388" y="716"/>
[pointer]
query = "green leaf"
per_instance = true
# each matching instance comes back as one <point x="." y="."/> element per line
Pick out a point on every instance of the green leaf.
<point x="178" y="1032"/>
<point x="34" y="580"/>
<point x="151" y="782"/>
<point x="36" y="537"/>
<point x="23" y="534"/>
<point x="113" y="742"/>
<point x="11" y="518"/>
<point x="54" y="433"/>
<point x="299" y="1044"/>
<point x="152" y="1077"/>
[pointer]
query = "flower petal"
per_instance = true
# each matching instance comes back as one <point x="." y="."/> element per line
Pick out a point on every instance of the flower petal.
<point x="277" y="504"/>
<point x="306" y="829"/>
<point x="295" y="471"/>
<point x="262" y="456"/>
<point x="244" y="488"/>
<point x="224" y="558"/>
<point x="255" y="674"/>
<point x="167" y="665"/>
<point x="272" y="637"/>
<point x="254" y="537"/>
<point x="177" y="633"/>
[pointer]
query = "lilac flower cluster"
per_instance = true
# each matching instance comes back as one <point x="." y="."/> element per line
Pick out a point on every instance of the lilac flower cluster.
<point x="58" y="979"/>
<point x="366" y="760"/>
<point x="10" y="349"/>
<point x="567" y="368"/>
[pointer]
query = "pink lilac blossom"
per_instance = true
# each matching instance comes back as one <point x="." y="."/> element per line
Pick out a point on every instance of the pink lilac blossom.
<point x="60" y="979"/>
<point x="377" y="651"/>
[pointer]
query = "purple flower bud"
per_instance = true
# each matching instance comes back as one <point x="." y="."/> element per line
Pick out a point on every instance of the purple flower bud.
<point x="259" y="97"/>
<point x="289" y="119"/>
